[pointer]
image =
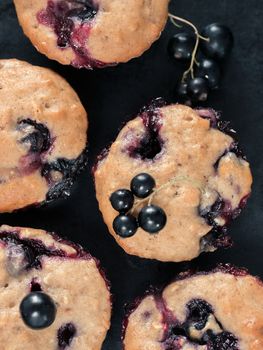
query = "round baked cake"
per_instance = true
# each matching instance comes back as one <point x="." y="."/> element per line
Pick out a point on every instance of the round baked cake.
<point x="43" y="135"/>
<point x="36" y="264"/>
<point x="221" y="310"/>
<point x="171" y="182"/>
<point x="92" y="33"/>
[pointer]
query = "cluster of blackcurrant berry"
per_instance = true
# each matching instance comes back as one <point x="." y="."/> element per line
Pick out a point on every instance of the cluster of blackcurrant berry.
<point x="151" y="218"/>
<point x="204" y="73"/>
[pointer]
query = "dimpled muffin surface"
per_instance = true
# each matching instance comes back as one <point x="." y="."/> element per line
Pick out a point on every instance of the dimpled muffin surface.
<point x="43" y="135"/>
<point x="91" y="33"/>
<point x="204" y="179"/>
<point x="33" y="260"/>
<point x="221" y="310"/>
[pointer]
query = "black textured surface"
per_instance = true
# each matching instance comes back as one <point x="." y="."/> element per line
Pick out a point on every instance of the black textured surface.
<point x="111" y="97"/>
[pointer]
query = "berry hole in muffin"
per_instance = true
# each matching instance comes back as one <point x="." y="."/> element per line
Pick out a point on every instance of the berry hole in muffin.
<point x="35" y="286"/>
<point x="151" y="144"/>
<point x="66" y="333"/>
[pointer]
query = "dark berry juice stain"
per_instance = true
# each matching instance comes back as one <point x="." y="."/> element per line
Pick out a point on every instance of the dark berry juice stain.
<point x="69" y="170"/>
<point x="35" y="286"/>
<point x="72" y="21"/>
<point x="33" y="250"/>
<point x="151" y="144"/>
<point x="65" y="335"/>
<point x="198" y="312"/>
<point x="218" y="237"/>
<point x="40" y="142"/>
<point x="39" y="139"/>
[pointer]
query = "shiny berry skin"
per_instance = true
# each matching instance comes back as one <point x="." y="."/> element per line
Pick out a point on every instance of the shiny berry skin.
<point x="220" y="42"/>
<point x="152" y="219"/>
<point x="38" y="310"/>
<point x="182" y="94"/>
<point x="125" y="225"/>
<point x="142" y="185"/>
<point x="210" y="70"/>
<point x="181" y="46"/>
<point x="122" y="200"/>
<point x="198" y="89"/>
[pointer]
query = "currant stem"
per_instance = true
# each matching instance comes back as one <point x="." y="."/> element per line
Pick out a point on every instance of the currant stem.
<point x="167" y="184"/>
<point x="190" y="70"/>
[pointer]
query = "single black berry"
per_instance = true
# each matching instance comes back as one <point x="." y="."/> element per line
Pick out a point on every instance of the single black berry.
<point x="152" y="218"/>
<point x="181" y="93"/>
<point x="198" y="89"/>
<point x="38" y="310"/>
<point x="122" y="200"/>
<point x="142" y="185"/>
<point x="125" y="225"/>
<point x="181" y="46"/>
<point x="210" y="70"/>
<point x="220" y="41"/>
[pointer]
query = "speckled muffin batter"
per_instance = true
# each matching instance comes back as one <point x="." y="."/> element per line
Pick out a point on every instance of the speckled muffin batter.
<point x="203" y="176"/>
<point x="43" y="135"/>
<point x="221" y="310"/>
<point x="92" y="33"/>
<point x="32" y="260"/>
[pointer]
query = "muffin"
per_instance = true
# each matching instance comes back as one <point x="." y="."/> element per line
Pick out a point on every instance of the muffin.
<point x="179" y="175"/>
<point x="39" y="269"/>
<point x="43" y="135"/>
<point x="220" y="310"/>
<point x="92" y="33"/>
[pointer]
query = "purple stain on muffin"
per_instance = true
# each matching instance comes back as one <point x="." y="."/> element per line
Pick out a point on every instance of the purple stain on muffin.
<point x="72" y="21"/>
<point x="60" y="174"/>
<point x="65" y="335"/>
<point x="150" y="145"/>
<point x="200" y="327"/>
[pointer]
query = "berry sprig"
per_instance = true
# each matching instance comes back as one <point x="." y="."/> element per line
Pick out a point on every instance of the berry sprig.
<point x="212" y="46"/>
<point x="151" y="218"/>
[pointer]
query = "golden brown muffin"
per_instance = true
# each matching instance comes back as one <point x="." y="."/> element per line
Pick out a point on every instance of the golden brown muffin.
<point x="33" y="261"/>
<point x="221" y="310"/>
<point x="91" y="33"/>
<point x="202" y="180"/>
<point x="43" y="135"/>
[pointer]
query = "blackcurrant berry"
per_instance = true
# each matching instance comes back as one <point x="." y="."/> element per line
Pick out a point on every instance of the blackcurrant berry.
<point x="142" y="185"/>
<point x="182" y="94"/>
<point x="122" y="200"/>
<point x="38" y="310"/>
<point x="198" y="89"/>
<point x="209" y="69"/>
<point x="152" y="218"/>
<point x="220" y="41"/>
<point x="125" y="225"/>
<point x="181" y="46"/>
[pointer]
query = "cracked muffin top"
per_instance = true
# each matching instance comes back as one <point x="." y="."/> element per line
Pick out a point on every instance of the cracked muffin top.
<point x="202" y="181"/>
<point x="92" y="33"/>
<point x="220" y="310"/>
<point x="36" y="264"/>
<point x="43" y="135"/>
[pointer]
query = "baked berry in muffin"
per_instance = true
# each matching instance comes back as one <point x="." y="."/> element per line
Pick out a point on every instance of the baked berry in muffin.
<point x="220" y="310"/>
<point x="43" y="135"/>
<point x="53" y="295"/>
<point x="92" y="33"/>
<point x="186" y="179"/>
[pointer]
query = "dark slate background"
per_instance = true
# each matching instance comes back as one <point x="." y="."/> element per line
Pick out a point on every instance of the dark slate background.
<point x="111" y="96"/>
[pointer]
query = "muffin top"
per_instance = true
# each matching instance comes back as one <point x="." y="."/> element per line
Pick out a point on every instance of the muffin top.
<point x="91" y="33"/>
<point x="43" y="135"/>
<point x="201" y="180"/>
<point x="221" y="310"/>
<point x="32" y="260"/>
